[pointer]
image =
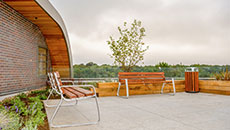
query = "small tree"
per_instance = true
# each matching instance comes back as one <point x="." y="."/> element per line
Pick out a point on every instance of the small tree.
<point x="128" y="50"/>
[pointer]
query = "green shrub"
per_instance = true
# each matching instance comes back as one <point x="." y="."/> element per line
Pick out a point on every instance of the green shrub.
<point x="9" y="120"/>
<point x="29" y="126"/>
<point x="20" y="105"/>
<point x="43" y="97"/>
<point x="28" y="111"/>
<point x="39" y="92"/>
<point x="22" y="95"/>
<point x="35" y="111"/>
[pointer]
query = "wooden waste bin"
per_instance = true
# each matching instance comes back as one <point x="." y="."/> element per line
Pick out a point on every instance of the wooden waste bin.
<point x="192" y="80"/>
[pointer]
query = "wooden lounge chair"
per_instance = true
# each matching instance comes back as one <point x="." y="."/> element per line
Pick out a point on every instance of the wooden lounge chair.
<point x="71" y="93"/>
<point x="53" y="90"/>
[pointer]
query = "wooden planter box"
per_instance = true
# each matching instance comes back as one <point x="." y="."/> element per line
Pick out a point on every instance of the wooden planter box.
<point x="215" y="86"/>
<point x="110" y="89"/>
<point x="206" y="86"/>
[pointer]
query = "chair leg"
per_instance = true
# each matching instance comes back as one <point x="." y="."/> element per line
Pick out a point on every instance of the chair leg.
<point x="98" y="109"/>
<point x="118" y="89"/>
<point x="55" y="112"/>
<point x="78" y="124"/>
<point x="49" y="95"/>
<point x="127" y="88"/>
<point x="51" y="92"/>
<point x="174" y="89"/>
<point x="162" y="89"/>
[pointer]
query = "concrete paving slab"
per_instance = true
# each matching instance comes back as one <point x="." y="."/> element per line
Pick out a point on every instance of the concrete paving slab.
<point x="184" y="111"/>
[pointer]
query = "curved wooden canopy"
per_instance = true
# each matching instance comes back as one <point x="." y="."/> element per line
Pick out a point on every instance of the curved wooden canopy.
<point x="44" y="15"/>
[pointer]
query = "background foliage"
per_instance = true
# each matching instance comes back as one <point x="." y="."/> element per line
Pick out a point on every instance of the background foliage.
<point x="92" y="70"/>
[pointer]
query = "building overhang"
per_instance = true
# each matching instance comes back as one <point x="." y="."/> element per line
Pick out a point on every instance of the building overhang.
<point x="45" y="16"/>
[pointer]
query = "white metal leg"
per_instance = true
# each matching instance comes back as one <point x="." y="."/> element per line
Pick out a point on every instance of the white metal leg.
<point x="98" y="109"/>
<point x="51" y="92"/>
<point x="127" y="88"/>
<point x="118" y="89"/>
<point x="55" y="112"/>
<point x="174" y="89"/>
<point x="162" y="89"/>
<point x="77" y="124"/>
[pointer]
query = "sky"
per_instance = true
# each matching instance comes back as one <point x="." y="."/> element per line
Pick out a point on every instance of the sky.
<point x="177" y="31"/>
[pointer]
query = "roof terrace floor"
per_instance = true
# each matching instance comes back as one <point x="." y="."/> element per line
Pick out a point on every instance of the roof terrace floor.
<point x="184" y="111"/>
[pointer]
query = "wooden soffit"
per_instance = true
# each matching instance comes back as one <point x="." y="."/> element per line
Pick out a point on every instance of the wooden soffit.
<point x="45" y="16"/>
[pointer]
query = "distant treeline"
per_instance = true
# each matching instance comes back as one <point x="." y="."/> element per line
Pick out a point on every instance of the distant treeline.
<point x="92" y="70"/>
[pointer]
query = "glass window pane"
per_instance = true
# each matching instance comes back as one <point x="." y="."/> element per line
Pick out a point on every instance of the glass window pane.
<point x="42" y="61"/>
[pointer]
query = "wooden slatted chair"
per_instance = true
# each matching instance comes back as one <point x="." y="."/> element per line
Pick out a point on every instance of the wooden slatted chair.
<point x="71" y="93"/>
<point x="126" y="78"/>
<point x="54" y="89"/>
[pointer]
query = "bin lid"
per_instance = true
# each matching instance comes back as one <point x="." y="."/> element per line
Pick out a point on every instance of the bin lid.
<point x="191" y="69"/>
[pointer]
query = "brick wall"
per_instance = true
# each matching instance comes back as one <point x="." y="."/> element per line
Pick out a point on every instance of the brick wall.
<point x="19" y="42"/>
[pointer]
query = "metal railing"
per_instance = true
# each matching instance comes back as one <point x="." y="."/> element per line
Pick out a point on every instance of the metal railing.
<point x="90" y="80"/>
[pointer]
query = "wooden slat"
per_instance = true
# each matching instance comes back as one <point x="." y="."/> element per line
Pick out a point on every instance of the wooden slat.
<point x="138" y="73"/>
<point x="34" y="8"/>
<point x="68" y="94"/>
<point x="14" y="1"/>
<point x="84" y="91"/>
<point x="36" y="15"/>
<point x="142" y="80"/>
<point x="141" y="77"/>
<point x="75" y="92"/>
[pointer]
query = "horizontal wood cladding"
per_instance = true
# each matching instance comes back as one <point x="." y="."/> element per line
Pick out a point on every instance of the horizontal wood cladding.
<point x="50" y="29"/>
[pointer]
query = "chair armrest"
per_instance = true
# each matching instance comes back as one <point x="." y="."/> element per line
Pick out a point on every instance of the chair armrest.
<point x="72" y="82"/>
<point x="91" y="86"/>
<point x="169" y="78"/>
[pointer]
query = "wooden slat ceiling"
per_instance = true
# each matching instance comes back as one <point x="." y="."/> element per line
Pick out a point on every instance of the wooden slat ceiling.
<point x="52" y="32"/>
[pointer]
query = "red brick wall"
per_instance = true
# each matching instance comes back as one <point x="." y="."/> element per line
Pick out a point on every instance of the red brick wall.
<point x="19" y="42"/>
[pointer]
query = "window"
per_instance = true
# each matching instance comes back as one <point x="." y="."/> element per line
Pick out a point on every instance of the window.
<point x="42" y="61"/>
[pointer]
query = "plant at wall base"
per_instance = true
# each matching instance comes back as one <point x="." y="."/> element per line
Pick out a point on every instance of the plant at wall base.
<point x="35" y="111"/>
<point x="38" y="92"/>
<point x="29" y="109"/>
<point x="9" y="120"/>
<point x="29" y="126"/>
<point x="19" y="104"/>
<point x="22" y="95"/>
<point x="128" y="50"/>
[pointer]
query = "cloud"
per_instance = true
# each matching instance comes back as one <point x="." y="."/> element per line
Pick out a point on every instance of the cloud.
<point x="89" y="50"/>
<point x="177" y="31"/>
